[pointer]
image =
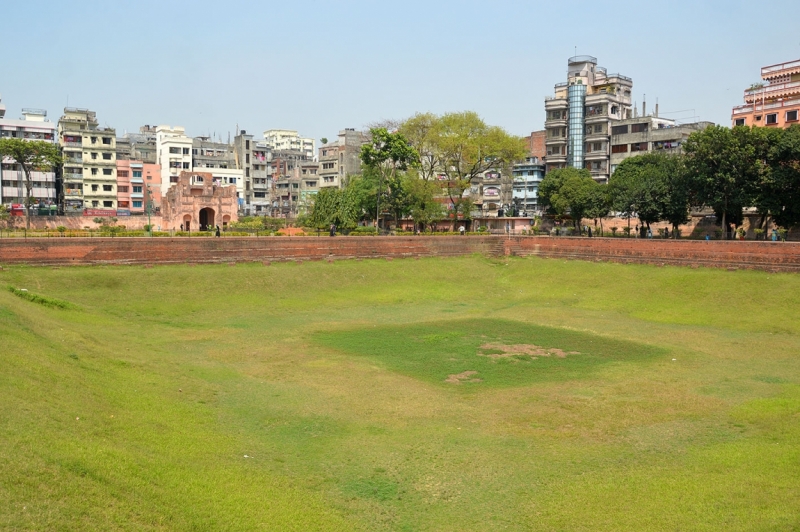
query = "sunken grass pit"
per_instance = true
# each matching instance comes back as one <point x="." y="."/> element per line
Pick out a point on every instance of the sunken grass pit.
<point x="437" y="394"/>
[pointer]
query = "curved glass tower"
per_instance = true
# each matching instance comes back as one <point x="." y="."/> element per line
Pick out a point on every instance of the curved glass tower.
<point x="576" y="98"/>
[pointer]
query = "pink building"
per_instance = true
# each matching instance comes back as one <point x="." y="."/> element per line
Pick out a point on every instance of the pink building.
<point x="137" y="184"/>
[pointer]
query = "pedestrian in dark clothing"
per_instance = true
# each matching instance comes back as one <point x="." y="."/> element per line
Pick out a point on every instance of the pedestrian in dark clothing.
<point x="590" y="232"/>
<point x="333" y="229"/>
<point x="217" y="231"/>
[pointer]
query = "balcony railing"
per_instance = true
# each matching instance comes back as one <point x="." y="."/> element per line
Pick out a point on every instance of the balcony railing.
<point x="72" y="176"/>
<point x="769" y="91"/>
<point x="747" y="109"/>
<point x="781" y="66"/>
<point x="619" y="76"/>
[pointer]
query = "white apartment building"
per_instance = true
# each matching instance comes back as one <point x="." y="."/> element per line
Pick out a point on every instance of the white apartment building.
<point x="173" y="153"/>
<point x="289" y="140"/>
<point x="32" y="126"/>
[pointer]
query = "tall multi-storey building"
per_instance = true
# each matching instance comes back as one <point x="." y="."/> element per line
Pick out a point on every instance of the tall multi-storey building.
<point x="775" y="103"/>
<point x="32" y="126"/>
<point x="580" y="115"/>
<point x="220" y="159"/>
<point x="289" y="140"/>
<point x="173" y="154"/>
<point x="89" y="175"/>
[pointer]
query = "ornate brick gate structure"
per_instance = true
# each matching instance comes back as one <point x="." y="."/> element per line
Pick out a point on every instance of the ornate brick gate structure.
<point x="197" y="203"/>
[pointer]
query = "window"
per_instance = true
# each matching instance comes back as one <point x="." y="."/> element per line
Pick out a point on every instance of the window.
<point x="596" y="110"/>
<point x="107" y="156"/>
<point x="94" y="156"/>
<point x="108" y="188"/>
<point x="247" y="158"/>
<point x="619" y="130"/>
<point x="638" y="128"/>
<point x="597" y="146"/>
<point x="328" y="166"/>
<point x="94" y="188"/>
<point x="185" y="166"/>
<point x="122" y="204"/>
<point x="174" y="149"/>
<point x="107" y="171"/>
<point x="94" y="171"/>
<point x="108" y="204"/>
<point x="791" y="116"/>
<point x="137" y="204"/>
<point x="137" y="189"/>
<point x="247" y="144"/>
<point x="137" y="174"/>
<point x="106" y="140"/>
<point x="123" y="189"/>
<point x="639" y="146"/>
<point x="95" y="203"/>
<point x="122" y="173"/>
<point x="94" y="140"/>
<point x="260" y="194"/>
<point x="619" y="148"/>
<point x="232" y="180"/>
<point x="758" y="117"/>
<point x="740" y="121"/>
<point x="247" y="172"/>
<point x="186" y="151"/>
<point x="173" y="179"/>
<point x="772" y="118"/>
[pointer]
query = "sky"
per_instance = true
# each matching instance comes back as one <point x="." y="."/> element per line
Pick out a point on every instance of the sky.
<point x="319" y="67"/>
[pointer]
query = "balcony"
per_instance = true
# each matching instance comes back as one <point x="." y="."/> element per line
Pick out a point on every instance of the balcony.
<point x="72" y="144"/>
<point x="549" y="141"/>
<point x="137" y="195"/>
<point x="596" y="155"/>
<point x="553" y="103"/>
<point x="73" y="192"/>
<point x="73" y="176"/>
<point x="781" y="69"/>
<point x="771" y="92"/>
<point x="758" y="107"/>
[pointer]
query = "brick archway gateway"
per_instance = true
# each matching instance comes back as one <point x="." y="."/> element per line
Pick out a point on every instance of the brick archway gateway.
<point x="187" y="222"/>
<point x="206" y="217"/>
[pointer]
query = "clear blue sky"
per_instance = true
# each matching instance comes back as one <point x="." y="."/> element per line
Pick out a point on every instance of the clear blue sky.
<point x="319" y="67"/>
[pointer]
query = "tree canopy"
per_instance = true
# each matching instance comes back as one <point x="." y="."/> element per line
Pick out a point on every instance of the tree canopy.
<point x="32" y="156"/>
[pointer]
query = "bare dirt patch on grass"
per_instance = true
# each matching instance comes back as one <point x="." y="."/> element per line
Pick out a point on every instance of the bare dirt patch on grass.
<point x="464" y="376"/>
<point x="497" y="350"/>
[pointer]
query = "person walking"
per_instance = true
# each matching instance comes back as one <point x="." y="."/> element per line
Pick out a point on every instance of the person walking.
<point x="589" y="231"/>
<point x="217" y="233"/>
<point x="333" y="229"/>
<point x="462" y="230"/>
<point x="649" y="233"/>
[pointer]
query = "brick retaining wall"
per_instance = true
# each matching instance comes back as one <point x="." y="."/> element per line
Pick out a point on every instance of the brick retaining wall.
<point x="772" y="256"/>
<point x="165" y="250"/>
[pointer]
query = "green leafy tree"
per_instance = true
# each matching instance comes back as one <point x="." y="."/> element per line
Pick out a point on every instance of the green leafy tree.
<point x="652" y="187"/>
<point x="32" y="156"/>
<point x="424" y="205"/>
<point x="569" y="191"/>
<point x="778" y="192"/>
<point x="422" y="132"/>
<point x="599" y="204"/>
<point x="467" y="147"/>
<point x="387" y="155"/>
<point x="333" y="206"/>
<point x="723" y="165"/>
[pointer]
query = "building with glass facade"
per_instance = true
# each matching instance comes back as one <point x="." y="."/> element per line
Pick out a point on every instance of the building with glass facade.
<point x="580" y="114"/>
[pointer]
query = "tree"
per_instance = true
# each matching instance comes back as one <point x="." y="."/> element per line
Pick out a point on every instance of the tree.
<point x="386" y="155"/>
<point x="652" y="187"/>
<point x="723" y="167"/>
<point x="333" y="206"/>
<point x="422" y="130"/>
<point x="423" y="205"/>
<point x="32" y="156"/>
<point x="778" y="192"/>
<point x="465" y="147"/>
<point x="599" y="204"/>
<point x="569" y="191"/>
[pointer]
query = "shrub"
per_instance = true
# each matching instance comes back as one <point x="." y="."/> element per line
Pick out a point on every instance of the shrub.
<point x="364" y="230"/>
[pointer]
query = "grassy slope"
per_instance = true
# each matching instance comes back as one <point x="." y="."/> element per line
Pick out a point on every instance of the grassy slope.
<point x="176" y="373"/>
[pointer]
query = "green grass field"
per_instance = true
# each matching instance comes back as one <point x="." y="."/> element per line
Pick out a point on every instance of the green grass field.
<point x="457" y="394"/>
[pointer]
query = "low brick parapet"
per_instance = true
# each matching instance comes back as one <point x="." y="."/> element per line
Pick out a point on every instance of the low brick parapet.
<point x="771" y="256"/>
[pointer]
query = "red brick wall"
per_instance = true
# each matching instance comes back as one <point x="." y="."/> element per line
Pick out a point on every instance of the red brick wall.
<point x="54" y="251"/>
<point x="773" y="256"/>
<point x="536" y="144"/>
<point x="778" y="256"/>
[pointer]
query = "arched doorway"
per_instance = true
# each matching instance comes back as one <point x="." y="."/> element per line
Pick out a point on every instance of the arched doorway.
<point x="206" y="219"/>
<point x="187" y="222"/>
<point x="225" y="220"/>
